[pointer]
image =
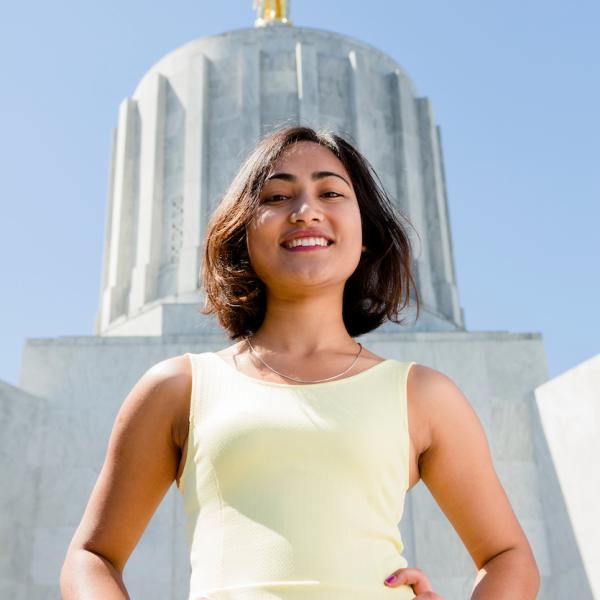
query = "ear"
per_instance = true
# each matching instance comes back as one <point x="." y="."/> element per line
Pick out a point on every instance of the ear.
<point x="363" y="248"/>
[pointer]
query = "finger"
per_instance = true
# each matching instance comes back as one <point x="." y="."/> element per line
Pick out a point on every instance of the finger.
<point x="412" y="577"/>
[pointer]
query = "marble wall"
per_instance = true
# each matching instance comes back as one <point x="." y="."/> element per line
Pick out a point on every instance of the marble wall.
<point x="568" y="409"/>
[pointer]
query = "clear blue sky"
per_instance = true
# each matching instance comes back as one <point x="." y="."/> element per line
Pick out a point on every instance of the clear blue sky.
<point x="515" y="88"/>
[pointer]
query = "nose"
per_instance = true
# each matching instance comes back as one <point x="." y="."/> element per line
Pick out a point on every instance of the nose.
<point x="305" y="209"/>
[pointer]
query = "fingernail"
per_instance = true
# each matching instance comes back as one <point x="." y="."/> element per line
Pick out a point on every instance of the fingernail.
<point x="391" y="579"/>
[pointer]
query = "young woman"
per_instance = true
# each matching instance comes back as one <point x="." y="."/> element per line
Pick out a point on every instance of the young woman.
<point x="294" y="447"/>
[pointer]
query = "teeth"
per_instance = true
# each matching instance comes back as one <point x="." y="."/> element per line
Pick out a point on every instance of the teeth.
<point x="319" y="241"/>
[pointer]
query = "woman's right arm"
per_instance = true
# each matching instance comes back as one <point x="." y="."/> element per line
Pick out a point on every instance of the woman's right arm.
<point x="141" y="463"/>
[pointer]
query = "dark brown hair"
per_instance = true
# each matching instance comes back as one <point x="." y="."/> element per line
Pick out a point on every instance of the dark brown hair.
<point x="377" y="290"/>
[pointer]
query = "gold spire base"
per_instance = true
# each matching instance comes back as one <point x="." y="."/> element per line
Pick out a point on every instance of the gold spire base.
<point x="269" y="22"/>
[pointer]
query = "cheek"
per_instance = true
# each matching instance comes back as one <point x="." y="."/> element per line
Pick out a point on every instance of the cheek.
<point x="264" y="225"/>
<point x="262" y="217"/>
<point x="259" y="241"/>
<point x="353" y="223"/>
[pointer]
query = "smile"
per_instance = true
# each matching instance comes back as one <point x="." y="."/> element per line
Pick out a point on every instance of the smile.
<point x="307" y="244"/>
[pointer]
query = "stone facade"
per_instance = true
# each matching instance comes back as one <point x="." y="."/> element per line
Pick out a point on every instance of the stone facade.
<point x="568" y="409"/>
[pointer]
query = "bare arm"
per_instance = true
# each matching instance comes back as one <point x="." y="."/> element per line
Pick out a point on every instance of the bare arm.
<point x="458" y="470"/>
<point x="516" y="564"/>
<point x="141" y="464"/>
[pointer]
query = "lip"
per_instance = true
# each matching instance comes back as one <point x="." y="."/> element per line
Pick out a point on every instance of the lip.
<point x="304" y="233"/>
<point x="306" y="248"/>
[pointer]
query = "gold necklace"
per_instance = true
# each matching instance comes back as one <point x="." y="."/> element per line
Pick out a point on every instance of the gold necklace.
<point x="302" y="380"/>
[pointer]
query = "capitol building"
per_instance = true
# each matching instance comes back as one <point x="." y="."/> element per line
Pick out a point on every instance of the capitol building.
<point x="179" y="140"/>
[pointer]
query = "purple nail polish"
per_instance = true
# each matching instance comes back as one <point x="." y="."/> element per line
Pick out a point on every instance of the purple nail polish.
<point x="391" y="579"/>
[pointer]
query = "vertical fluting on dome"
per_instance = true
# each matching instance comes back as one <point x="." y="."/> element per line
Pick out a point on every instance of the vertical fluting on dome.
<point x="198" y="112"/>
<point x="152" y="115"/>
<point x="172" y="192"/>
<point x="194" y="93"/>
<point x="437" y="218"/>
<point x="278" y="89"/>
<point x="122" y="223"/>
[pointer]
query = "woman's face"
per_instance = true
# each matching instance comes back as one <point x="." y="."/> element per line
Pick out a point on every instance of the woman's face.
<point x="307" y="188"/>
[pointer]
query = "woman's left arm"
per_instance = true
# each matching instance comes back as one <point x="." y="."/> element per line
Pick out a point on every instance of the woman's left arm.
<point x="458" y="470"/>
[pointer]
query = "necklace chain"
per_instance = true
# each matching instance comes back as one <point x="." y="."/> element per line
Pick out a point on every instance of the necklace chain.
<point x="302" y="380"/>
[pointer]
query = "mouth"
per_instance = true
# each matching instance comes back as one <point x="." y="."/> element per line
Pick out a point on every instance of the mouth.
<point x="309" y="247"/>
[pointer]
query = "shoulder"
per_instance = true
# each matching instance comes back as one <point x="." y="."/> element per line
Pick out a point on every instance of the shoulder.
<point x="428" y="384"/>
<point x="168" y="380"/>
<point x="170" y="372"/>
<point x="435" y="402"/>
<point x="162" y="394"/>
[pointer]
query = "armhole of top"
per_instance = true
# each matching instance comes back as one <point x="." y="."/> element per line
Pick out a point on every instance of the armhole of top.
<point x="190" y="443"/>
<point x="406" y="424"/>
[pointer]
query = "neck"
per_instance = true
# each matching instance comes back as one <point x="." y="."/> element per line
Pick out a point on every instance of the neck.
<point x="304" y="327"/>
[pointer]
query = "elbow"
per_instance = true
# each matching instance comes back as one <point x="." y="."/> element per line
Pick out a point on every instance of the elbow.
<point x="536" y="579"/>
<point x="531" y="580"/>
<point x="531" y="571"/>
<point x="518" y="564"/>
<point x="75" y="563"/>
<point x="67" y="573"/>
<point x="83" y="568"/>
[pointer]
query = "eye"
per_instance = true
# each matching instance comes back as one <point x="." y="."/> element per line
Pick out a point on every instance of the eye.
<point x="335" y="194"/>
<point x="275" y="198"/>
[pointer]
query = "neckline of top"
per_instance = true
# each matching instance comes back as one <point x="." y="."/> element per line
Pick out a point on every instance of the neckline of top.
<point x="300" y="385"/>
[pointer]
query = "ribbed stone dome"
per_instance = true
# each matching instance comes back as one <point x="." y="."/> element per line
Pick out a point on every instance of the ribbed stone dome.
<point x="197" y="113"/>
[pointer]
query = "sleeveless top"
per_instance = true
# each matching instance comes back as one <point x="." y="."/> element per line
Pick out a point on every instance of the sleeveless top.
<point x="294" y="492"/>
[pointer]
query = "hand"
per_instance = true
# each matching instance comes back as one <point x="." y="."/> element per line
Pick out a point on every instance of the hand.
<point x="415" y="578"/>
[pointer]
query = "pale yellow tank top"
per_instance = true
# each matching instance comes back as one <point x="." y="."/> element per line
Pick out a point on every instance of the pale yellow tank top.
<point x="294" y="492"/>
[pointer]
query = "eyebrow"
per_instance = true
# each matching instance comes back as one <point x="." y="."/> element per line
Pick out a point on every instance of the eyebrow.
<point x="315" y="176"/>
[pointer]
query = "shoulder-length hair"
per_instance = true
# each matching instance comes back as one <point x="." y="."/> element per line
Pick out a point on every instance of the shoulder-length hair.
<point x="377" y="290"/>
